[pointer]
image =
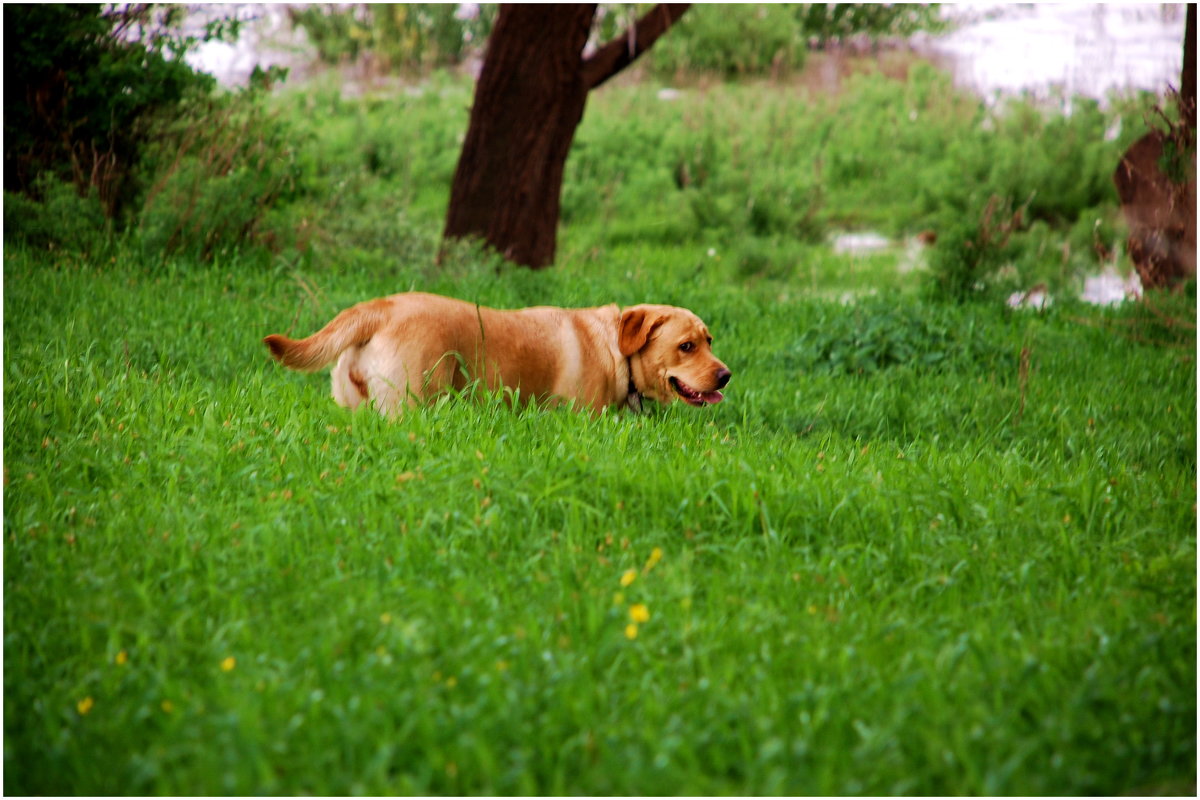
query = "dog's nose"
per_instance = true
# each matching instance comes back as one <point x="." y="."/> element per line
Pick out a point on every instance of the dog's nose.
<point x="723" y="375"/>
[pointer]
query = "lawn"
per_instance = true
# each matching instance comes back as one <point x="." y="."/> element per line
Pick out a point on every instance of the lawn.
<point x="921" y="547"/>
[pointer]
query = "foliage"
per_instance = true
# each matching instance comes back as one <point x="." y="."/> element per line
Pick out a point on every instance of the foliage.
<point x="759" y="172"/>
<point x="876" y="335"/>
<point x="60" y="220"/>
<point x="193" y="171"/>
<point x="825" y="22"/>
<point x="395" y="36"/>
<point x="739" y="40"/>
<point x="731" y="40"/>
<point x="219" y="168"/>
<point x="89" y="81"/>
<point x="373" y="175"/>
<point x="729" y="166"/>
<point x="972" y="249"/>
<point x="1178" y="135"/>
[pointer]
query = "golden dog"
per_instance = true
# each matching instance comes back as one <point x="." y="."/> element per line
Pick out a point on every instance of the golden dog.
<point x="409" y="348"/>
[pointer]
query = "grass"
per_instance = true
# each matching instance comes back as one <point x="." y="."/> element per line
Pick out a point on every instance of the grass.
<point x="920" y="548"/>
<point x="892" y="582"/>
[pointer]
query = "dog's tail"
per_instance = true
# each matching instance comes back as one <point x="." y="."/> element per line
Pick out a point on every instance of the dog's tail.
<point x="353" y="327"/>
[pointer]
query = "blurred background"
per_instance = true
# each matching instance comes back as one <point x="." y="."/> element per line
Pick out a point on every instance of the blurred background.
<point x="775" y="134"/>
<point x="1078" y="48"/>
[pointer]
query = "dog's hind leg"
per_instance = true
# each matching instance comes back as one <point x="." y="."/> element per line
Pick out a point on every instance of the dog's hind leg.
<point x="349" y="384"/>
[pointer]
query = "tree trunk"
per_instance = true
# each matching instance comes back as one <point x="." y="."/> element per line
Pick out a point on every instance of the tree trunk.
<point x="528" y="101"/>
<point x="1160" y="207"/>
<point x="1187" y="80"/>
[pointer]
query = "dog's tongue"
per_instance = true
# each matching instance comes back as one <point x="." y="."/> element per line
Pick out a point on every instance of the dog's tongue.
<point x="694" y="397"/>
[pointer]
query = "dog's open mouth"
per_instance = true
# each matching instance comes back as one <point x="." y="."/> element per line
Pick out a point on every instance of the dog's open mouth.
<point x="691" y="396"/>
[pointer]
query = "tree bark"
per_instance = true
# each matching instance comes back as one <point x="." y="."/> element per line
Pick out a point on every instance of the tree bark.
<point x="1160" y="207"/>
<point x="528" y="102"/>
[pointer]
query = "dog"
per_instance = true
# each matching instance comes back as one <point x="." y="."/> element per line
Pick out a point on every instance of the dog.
<point x="405" y="349"/>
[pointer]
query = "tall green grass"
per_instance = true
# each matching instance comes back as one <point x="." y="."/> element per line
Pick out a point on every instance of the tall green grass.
<point x="933" y="576"/>
<point x="919" y="549"/>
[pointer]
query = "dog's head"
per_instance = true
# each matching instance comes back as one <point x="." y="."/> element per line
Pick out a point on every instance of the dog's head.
<point x="670" y="355"/>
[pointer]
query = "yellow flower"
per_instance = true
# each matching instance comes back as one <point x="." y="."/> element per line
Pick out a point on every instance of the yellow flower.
<point x="121" y="658"/>
<point x="631" y="631"/>
<point x="655" y="556"/>
<point x="385" y="618"/>
<point x="629" y="577"/>
<point x="167" y="706"/>
<point x="639" y="613"/>
<point x="85" y="705"/>
<point x="228" y="664"/>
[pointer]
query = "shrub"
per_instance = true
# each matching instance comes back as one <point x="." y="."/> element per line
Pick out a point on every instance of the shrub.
<point x="60" y="220"/>
<point x="732" y="41"/>
<point x="409" y="36"/>
<point x="880" y="335"/>
<point x="831" y="21"/>
<point x="971" y="250"/>
<point x="84" y="92"/>
<point x="218" y="168"/>
<point x="756" y="39"/>
<point x="785" y="207"/>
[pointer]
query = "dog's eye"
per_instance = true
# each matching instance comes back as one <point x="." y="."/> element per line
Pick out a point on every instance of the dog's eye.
<point x="687" y="347"/>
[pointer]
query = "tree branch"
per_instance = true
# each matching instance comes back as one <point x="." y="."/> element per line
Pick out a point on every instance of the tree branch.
<point x="618" y="54"/>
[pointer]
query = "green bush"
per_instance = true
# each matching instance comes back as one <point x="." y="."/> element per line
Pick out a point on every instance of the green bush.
<point x="732" y="41"/>
<point x="61" y="220"/>
<point x="786" y="208"/>
<point x="828" y="21"/>
<point x="217" y="169"/>
<point x="372" y="176"/>
<point x="722" y="164"/>
<point x="83" y="93"/>
<point x="879" y="334"/>
<point x="756" y="39"/>
<point x="972" y="249"/>
<point x="396" y="36"/>
<point x="112" y="124"/>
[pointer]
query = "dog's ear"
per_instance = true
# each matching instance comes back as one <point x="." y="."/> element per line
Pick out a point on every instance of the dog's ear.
<point x="637" y="323"/>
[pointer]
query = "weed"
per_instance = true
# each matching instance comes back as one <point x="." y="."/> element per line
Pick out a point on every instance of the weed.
<point x="60" y="219"/>
<point x="971" y="252"/>
<point x="218" y="170"/>
<point x="876" y="335"/>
